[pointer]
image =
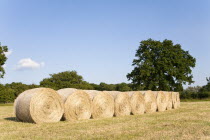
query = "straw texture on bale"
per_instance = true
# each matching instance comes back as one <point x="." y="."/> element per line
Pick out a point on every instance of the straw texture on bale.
<point x="77" y="104"/>
<point x="150" y="101"/>
<point x="102" y="104"/>
<point x="178" y="99"/>
<point x="122" y="105"/>
<point x="168" y="96"/>
<point x="161" y="100"/>
<point x="65" y="92"/>
<point x="39" y="105"/>
<point x="14" y="111"/>
<point x="174" y="100"/>
<point x="137" y="102"/>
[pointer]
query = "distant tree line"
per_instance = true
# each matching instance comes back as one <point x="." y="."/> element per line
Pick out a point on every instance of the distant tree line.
<point x="67" y="79"/>
<point x="9" y="92"/>
<point x="70" y="79"/>
<point x="196" y="92"/>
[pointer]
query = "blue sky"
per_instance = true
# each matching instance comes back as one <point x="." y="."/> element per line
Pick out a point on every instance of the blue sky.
<point x="98" y="38"/>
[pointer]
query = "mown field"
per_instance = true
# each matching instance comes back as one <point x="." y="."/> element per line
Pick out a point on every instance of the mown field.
<point x="191" y="121"/>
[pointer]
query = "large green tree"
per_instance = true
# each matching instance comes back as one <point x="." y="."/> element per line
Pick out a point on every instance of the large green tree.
<point x="3" y="58"/>
<point x="161" y="66"/>
<point x="67" y="79"/>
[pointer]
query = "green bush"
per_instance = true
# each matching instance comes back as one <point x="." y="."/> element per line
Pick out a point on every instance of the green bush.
<point x="194" y="95"/>
<point x="6" y="94"/>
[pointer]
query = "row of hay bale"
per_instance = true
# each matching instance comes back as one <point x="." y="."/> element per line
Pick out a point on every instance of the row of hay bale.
<point x="41" y="105"/>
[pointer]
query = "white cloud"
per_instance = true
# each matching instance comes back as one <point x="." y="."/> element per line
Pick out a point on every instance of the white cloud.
<point x="29" y="64"/>
<point x="4" y="66"/>
<point x="8" y="53"/>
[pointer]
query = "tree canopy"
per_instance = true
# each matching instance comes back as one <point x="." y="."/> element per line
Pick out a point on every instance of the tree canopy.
<point x="108" y="87"/>
<point x="70" y="79"/>
<point x="161" y="66"/>
<point x="123" y="87"/>
<point x="19" y="87"/>
<point x="67" y="79"/>
<point x="9" y="92"/>
<point x="3" y="58"/>
<point x="6" y="94"/>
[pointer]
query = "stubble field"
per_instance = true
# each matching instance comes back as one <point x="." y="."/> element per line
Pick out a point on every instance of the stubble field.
<point x="191" y="121"/>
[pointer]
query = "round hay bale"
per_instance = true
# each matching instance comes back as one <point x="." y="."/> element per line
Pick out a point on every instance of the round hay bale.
<point x="174" y="100"/>
<point x="178" y="99"/>
<point x="161" y="100"/>
<point x="102" y="104"/>
<point x="122" y="105"/>
<point x="39" y="105"/>
<point x="150" y="101"/>
<point x="15" y="104"/>
<point x="65" y="92"/>
<point x="168" y="96"/>
<point x="77" y="104"/>
<point x="137" y="102"/>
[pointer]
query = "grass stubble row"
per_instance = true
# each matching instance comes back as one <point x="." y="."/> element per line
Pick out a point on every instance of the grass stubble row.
<point x="44" y="105"/>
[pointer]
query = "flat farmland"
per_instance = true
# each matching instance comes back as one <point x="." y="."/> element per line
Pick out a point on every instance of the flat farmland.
<point x="190" y="121"/>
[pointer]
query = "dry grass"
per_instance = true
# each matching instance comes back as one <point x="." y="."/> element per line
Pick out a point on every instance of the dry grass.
<point x="191" y="121"/>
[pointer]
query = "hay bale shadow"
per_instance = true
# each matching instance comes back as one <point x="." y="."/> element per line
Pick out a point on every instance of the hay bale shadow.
<point x="11" y="119"/>
<point x="14" y="119"/>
